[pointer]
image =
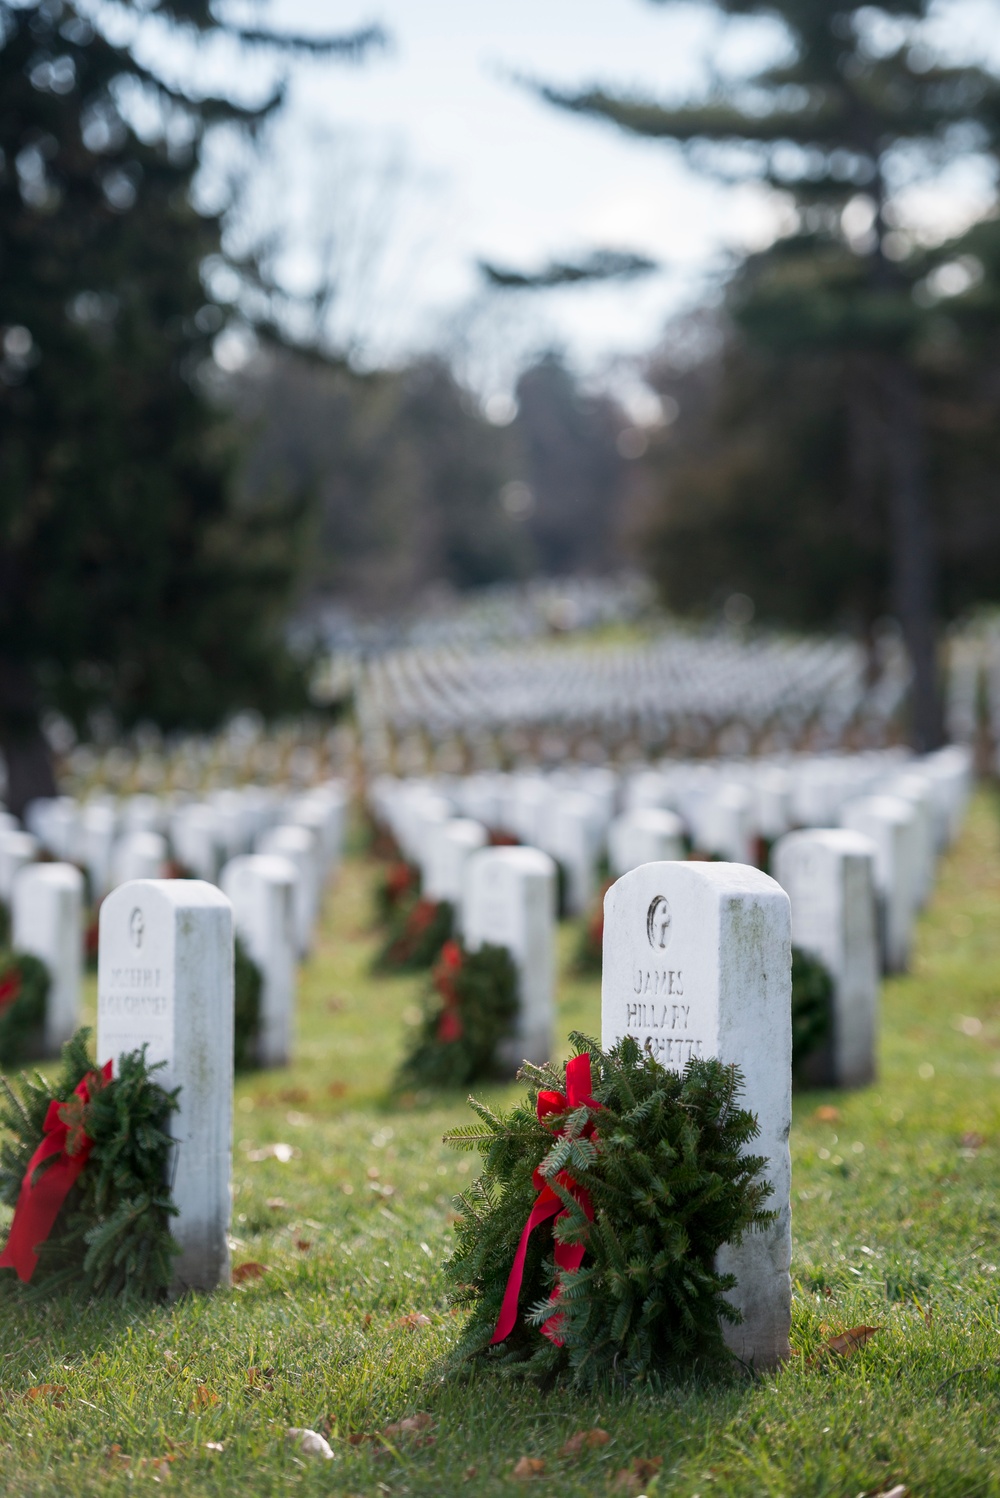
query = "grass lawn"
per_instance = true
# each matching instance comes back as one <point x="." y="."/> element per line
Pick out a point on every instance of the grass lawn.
<point x="896" y="1225"/>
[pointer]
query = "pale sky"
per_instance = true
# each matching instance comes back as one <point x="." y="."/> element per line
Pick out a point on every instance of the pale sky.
<point x="430" y="156"/>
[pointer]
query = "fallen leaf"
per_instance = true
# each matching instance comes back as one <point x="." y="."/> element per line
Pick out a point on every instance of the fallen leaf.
<point x="259" y="1379"/>
<point x="368" y="1318"/>
<point x="54" y="1392"/>
<point x="203" y="1397"/>
<point x="359" y="1437"/>
<point x="827" y="1114"/>
<point x="411" y="1425"/>
<point x="251" y="1270"/>
<point x="470" y="1473"/>
<point x="413" y="1319"/>
<point x="585" y="1440"/>
<point x="846" y="1343"/>
<point x="294" y="1095"/>
<point x="214" y="1446"/>
<point x="631" y="1480"/>
<point x="310" y="1442"/>
<point x="277" y="1204"/>
<point x="303" y="1244"/>
<point x="899" y="1491"/>
<point x="529" y="1466"/>
<point x="973" y="1141"/>
<point x="280" y="1152"/>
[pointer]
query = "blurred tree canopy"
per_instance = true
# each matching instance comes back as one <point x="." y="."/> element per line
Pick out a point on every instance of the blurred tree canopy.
<point x="130" y="578"/>
<point x="835" y="458"/>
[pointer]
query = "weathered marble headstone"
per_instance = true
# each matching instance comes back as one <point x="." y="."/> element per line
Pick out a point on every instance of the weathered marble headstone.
<point x="646" y="835"/>
<point x="16" y="850"/>
<point x="829" y="877"/>
<point x="165" y="979"/>
<point x="697" y="963"/>
<point x="98" y="825"/>
<point x="197" y="836"/>
<point x="510" y="901"/>
<point x="725" y="823"/>
<point x="572" y="834"/>
<point x="261" y="887"/>
<point x="139" y="855"/>
<point x="47" y="921"/>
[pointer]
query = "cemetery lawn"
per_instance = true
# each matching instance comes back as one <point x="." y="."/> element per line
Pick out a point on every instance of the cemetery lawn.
<point x="896" y="1220"/>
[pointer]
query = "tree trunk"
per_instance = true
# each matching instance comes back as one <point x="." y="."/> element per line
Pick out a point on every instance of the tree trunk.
<point x="30" y="772"/>
<point x="912" y="567"/>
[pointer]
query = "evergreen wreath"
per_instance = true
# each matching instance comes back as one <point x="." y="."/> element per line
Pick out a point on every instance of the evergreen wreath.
<point x="470" y="1007"/>
<point x="4" y="923"/>
<point x="112" y="1234"/>
<point x="589" y="956"/>
<point x="395" y="887"/>
<point x="247" y="984"/>
<point x="24" y="992"/>
<point x="651" y="1176"/>
<point x="812" y="1008"/>
<point x="417" y="932"/>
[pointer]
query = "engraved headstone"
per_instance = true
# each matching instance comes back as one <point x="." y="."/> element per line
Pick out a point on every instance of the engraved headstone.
<point x="829" y="877"/>
<point x="891" y="823"/>
<point x="47" y="921"/>
<point x="261" y="887"/>
<point x="697" y="963"/>
<point x="510" y="901"/>
<point x="165" y="979"/>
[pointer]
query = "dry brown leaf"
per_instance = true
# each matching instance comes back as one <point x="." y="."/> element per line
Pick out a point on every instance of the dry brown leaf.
<point x="310" y="1442"/>
<point x="585" y="1440"/>
<point x="52" y="1392"/>
<point x="276" y="1204"/>
<point x="846" y="1343"/>
<point x="204" y="1397"/>
<point x="294" y="1095"/>
<point x="470" y="1473"/>
<point x="303" y="1244"/>
<point x="359" y="1437"/>
<point x="251" y="1270"/>
<point x="632" y="1479"/>
<point x="259" y="1379"/>
<point x="529" y="1466"/>
<point x="973" y="1141"/>
<point x="412" y="1425"/>
<point x="827" y="1114"/>
<point x="413" y="1320"/>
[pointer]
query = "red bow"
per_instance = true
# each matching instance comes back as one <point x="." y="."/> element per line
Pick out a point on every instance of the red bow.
<point x="450" y="1026"/>
<point x="41" y="1197"/>
<point x="10" y="987"/>
<point x="569" y="1256"/>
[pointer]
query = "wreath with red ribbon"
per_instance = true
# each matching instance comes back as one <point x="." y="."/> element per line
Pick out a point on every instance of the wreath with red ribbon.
<point x="470" y="1007"/>
<point x="24" y="991"/>
<point x="415" y="936"/>
<point x="587" y="1246"/>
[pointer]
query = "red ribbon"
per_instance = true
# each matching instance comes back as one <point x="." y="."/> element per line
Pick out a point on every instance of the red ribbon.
<point x="568" y="1256"/>
<point x="10" y="988"/>
<point x="41" y="1197"/>
<point x="450" y="1026"/>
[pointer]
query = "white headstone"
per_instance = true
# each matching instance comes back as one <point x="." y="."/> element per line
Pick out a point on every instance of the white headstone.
<point x="892" y="826"/>
<point x="47" y="921"/>
<point x="16" y="850"/>
<point x="97" y="841"/>
<point x="646" y="835"/>
<point x="829" y="877"/>
<point x="261" y="887"/>
<point x="510" y="901"/>
<point x="572" y="833"/>
<point x="726" y="823"/>
<point x="165" y="979"/>
<point x="697" y="963"/>
<point x="450" y="845"/>
<point x="139" y="855"/>
<point x="299" y="846"/>
<point x="198" y="838"/>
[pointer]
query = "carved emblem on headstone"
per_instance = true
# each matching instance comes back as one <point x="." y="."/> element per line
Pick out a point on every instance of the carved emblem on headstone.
<point x="658" y="922"/>
<point x="136" y="927"/>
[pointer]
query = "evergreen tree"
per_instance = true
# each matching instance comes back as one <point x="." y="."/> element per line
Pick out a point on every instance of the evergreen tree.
<point x="129" y="579"/>
<point x="831" y="126"/>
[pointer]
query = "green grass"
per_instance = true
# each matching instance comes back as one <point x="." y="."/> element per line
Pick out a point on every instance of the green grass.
<point x="896" y="1217"/>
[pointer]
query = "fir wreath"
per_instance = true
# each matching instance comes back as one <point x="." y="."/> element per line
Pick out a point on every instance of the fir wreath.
<point x="24" y="991"/>
<point x="417" y="932"/>
<point x="396" y="887"/>
<point x="247" y="985"/>
<point x="112" y="1234"/>
<point x="812" y="1008"/>
<point x="470" y="1007"/>
<point x="652" y="1179"/>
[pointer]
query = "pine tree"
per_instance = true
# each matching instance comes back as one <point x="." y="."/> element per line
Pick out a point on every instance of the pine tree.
<point x="129" y="579"/>
<point x="829" y="127"/>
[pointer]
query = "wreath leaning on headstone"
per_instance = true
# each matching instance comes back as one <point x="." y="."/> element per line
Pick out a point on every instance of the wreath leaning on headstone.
<point x="587" y="1245"/>
<point x="24" y="992"/>
<point x="416" y="934"/>
<point x="247" y="985"/>
<point x="812" y="1008"/>
<point x="471" y="1006"/>
<point x="84" y="1165"/>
